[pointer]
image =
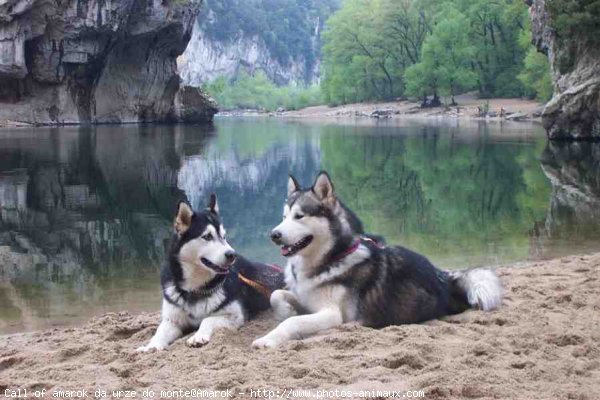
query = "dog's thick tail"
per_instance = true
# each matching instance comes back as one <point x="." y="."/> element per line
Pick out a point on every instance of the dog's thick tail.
<point x="475" y="288"/>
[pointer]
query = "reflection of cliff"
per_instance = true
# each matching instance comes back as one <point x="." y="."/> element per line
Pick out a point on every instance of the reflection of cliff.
<point x="93" y="197"/>
<point x="574" y="212"/>
<point x="249" y="188"/>
<point x="83" y="212"/>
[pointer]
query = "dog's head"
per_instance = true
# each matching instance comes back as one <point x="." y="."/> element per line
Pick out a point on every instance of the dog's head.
<point x="200" y="245"/>
<point x="315" y="223"/>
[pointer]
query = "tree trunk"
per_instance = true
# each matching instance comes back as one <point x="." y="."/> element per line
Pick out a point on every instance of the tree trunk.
<point x="435" y="102"/>
<point x="452" y="96"/>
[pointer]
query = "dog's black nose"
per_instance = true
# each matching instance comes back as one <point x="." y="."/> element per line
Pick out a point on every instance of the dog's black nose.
<point x="230" y="256"/>
<point x="276" y="236"/>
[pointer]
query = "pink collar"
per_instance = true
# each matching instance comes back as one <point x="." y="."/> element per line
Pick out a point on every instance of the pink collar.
<point x="353" y="247"/>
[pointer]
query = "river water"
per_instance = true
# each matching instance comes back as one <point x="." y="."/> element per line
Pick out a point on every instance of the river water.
<point x="86" y="212"/>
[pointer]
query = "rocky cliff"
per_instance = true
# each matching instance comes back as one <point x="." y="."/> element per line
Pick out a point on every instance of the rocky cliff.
<point x="206" y="59"/>
<point x="92" y="61"/>
<point x="282" y="39"/>
<point x="574" y="111"/>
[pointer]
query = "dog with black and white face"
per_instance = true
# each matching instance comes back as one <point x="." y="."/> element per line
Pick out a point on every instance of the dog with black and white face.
<point x="205" y="283"/>
<point x="336" y="274"/>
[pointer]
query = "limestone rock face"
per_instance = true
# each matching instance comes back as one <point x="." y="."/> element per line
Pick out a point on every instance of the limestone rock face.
<point x="92" y="61"/>
<point x="574" y="111"/>
<point x="205" y="60"/>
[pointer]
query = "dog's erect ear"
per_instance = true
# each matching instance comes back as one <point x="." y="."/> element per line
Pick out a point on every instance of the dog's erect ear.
<point x="213" y="206"/>
<point x="323" y="187"/>
<point x="293" y="185"/>
<point x="183" y="217"/>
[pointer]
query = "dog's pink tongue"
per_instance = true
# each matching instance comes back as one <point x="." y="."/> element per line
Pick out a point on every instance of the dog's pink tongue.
<point x="285" y="250"/>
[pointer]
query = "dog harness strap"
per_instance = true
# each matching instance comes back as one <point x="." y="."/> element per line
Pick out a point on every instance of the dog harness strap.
<point x="369" y="240"/>
<point x="259" y="287"/>
<point x="275" y="267"/>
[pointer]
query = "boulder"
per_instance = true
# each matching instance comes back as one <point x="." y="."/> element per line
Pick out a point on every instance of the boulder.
<point x="192" y="105"/>
<point x="382" y="113"/>
<point x="518" y="116"/>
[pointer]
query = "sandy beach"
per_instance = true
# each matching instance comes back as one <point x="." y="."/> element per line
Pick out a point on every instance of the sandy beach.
<point x="467" y="108"/>
<point x="544" y="343"/>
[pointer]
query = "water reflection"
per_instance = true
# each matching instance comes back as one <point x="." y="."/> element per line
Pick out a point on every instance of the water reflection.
<point x="85" y="213"/>
<point x="573" y="218"/>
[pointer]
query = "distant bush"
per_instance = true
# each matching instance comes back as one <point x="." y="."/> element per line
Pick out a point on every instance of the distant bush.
<point x="258" y="92"/>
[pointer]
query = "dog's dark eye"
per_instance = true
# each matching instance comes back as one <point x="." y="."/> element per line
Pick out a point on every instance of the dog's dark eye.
<point x="208" y="236"/>
<point x="298" y="216"/>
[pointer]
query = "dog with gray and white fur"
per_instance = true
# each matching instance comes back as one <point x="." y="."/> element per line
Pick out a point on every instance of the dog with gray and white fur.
<point x="334" y="275"/>
<point x="206" y="285"/>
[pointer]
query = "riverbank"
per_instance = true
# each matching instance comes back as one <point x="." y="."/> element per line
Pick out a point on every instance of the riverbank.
<point x="5" y="123"/>
<point x="543" y="343"/>
<point x="469" y="107"/>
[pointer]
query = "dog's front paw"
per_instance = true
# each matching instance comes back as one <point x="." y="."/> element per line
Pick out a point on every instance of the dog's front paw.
<point x="268" y="342"/>
<point x="197" y="340"/>
<point x="149" y="347"/>
<point x="280" y="302"/>
<point x="283" y="311"/>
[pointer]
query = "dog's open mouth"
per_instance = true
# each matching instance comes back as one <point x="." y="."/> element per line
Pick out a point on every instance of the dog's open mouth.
<point x="290" y="250"/>
<point x="217" y="268"/>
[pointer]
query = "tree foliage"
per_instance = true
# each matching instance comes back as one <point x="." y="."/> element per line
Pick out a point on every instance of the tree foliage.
<point x="368" y="43"/>
<point x="258" y="92"/>
<point x="574" y="21"/>
<point x="381" y="49"/>
<point x="575" y="18"/>
<point x="445" y="65"/>
<point x="535" y="76"/>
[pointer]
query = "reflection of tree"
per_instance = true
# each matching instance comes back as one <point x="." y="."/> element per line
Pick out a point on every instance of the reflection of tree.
<point x="451" y="200"/>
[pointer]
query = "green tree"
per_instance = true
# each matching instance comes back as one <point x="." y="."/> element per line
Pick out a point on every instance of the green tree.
<point x="536" y="76"/>
<point x="445" y="62"/>
<point x="380" y="49"/>
<point x="367" y="46"/>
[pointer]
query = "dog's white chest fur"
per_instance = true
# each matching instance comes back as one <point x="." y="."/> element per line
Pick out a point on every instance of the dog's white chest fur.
<point x="203" y="308"/>
<point x="319" y="292"/>
<point x="199" y="309"/>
